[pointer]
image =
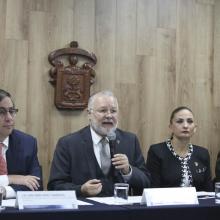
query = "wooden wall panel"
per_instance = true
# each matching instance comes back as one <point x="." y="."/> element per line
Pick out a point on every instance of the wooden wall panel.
<point x="15" y="77"/>
<point x="154" y="54"/>
<point x="125" y="41"/>
<point x="148" y="104"/>
<point x="216" y="79"/>
<point x="185" y="53"/>
<point x="146" y="27"/>
<point x="16" y="19"/>
<point x="2" y="25"/>
<point x="39" y="104"/>
<point x="203" y="70"/>
<point x="84" y="25"/>
<point x="106" y="36"/>
<point x="167" y="14"/>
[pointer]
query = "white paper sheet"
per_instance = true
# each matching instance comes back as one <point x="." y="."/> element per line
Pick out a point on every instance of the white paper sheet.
<point x="169" y="196"/>
<point x="205" y="195"/>
<point x="8" y="203"/>
<point x="46" y="200"/>
<point x="11" y="203"/>
<point x="112" y="200"/>
<point x="83" y="203"/>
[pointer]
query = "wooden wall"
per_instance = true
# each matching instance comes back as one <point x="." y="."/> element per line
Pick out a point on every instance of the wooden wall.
<point x="154" y="54"/>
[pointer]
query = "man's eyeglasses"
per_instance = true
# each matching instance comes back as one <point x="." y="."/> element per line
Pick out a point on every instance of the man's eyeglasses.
<point x="106" y="111"/>
<point x="4" y="111"/>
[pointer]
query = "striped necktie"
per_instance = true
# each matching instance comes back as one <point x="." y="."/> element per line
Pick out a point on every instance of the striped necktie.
<point x="3" y="164"/>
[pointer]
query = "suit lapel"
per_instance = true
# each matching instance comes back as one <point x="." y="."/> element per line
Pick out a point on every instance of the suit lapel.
<point x="13" y="153"/>
<point x="89" y="153"/>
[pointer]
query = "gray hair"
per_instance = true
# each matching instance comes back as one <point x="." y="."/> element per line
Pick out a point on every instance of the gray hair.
<point x="104" y="93"/>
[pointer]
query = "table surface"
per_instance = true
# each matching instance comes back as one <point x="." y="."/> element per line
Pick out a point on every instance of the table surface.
<point x="206" y="210"/>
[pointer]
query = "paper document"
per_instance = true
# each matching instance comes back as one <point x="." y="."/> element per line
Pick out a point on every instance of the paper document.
<point x="170" y="196"/>
<point x="46" y="200"/>
<point x="8" y="203"/>
<point x="112" y="201"/>
<point x="11" y="203"/>
<point x="83" y="203"/>
<point x="205" y="195"/>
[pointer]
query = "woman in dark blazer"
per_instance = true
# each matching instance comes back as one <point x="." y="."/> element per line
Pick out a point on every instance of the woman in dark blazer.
<point x="176" y="162"/>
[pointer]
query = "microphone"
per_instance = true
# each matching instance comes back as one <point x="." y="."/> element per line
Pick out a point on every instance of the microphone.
<point x="116" y="174"/>
<point x="112" y="142"/>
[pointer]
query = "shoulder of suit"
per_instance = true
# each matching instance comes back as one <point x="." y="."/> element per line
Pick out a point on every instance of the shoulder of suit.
<point x="77" y="134"/>
<point x="158" y="145"/>
<point x="21" y="134"/>
<point x="199" y="149"/>
<point x="121" y="132"/>
<point x="159" y="148"/>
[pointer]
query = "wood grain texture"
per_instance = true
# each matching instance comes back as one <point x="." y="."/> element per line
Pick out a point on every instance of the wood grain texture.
<point x="146" y="27"/>
<point x="167" y="14"/>
<point x="216" y="51"/>
<point x="154" y="54"/>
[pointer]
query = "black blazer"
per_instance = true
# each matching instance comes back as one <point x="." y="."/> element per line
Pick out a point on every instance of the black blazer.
<point x="165" y="169"/>
<point x="22" y="157"/>
<point x="217" y="169"/>
<point x="74" y="163"/>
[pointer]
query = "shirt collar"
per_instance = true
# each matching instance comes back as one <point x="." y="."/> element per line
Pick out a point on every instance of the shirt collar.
<point x="6" y="142"/>
<point x="95" y="137"/>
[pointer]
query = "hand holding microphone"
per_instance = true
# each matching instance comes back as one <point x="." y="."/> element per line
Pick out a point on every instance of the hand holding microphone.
<point x="111" y="136"/>
<point x="119" y="161"/>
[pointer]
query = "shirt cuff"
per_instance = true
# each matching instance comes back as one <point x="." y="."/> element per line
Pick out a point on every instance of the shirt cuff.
<point x="127" y="176"/>
<point x="10" y="193"/>
<point x="4" y="180"/>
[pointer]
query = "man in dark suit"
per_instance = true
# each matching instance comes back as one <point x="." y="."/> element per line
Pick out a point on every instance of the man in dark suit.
<point x="78" y="163"/>
<point x="19" y="166"/>
<point x="217" y="168"/>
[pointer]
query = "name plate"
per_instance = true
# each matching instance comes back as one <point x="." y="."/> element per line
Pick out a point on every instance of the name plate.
<point x="169" y="196"/>
<point x="46" y="200"/>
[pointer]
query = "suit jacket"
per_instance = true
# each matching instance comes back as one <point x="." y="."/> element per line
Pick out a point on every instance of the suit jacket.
<point x="165" y="169"/>
<point x="22" y="157"/>
<point x="217" y="169"/>
<point x="74" y="163"/>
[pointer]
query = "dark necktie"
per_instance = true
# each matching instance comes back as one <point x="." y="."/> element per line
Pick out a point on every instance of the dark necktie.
<point x="3" y="165"/>
<point x="105" y="156"/>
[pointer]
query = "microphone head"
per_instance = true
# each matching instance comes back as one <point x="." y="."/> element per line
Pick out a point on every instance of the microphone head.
<point x="111" y="136"/>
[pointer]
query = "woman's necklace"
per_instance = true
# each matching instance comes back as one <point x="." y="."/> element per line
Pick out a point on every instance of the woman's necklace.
<point x="186" y="176"/>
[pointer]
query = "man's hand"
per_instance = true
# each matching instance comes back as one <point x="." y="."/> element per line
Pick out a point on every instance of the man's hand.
<point x="91" y="187"/>
<point x="30" y="181"/>
<point x="120" y="161"/>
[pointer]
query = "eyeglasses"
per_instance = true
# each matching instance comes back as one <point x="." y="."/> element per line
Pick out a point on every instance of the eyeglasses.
<point x="106" y="111"/>
<point x="4" y="111"/>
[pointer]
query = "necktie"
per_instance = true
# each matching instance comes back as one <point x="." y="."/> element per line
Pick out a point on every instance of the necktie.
<point x="3" y="165"/>
<point x="105" y="156"/>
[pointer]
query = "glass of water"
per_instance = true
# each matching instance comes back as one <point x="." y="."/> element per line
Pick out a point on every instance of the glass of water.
<point x="121" y="193"/>
<point x="1" y="198"/>
<point x="217" y="192"/>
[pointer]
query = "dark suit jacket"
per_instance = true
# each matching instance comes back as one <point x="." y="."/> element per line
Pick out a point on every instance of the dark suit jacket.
<point x="165" y="169"/>
<point x="22" y="157"/>
<point x="74" y="163"/>
<point x="217" y="169"/>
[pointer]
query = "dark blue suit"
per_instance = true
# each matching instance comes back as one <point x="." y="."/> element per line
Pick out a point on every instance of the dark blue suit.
<point x="74" y="163"/>
<point x="22" y="157"/>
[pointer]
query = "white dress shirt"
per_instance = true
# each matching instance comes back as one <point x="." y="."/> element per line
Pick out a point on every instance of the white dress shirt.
<point x="97" y="148"/>
<point x="10" y="193"/>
